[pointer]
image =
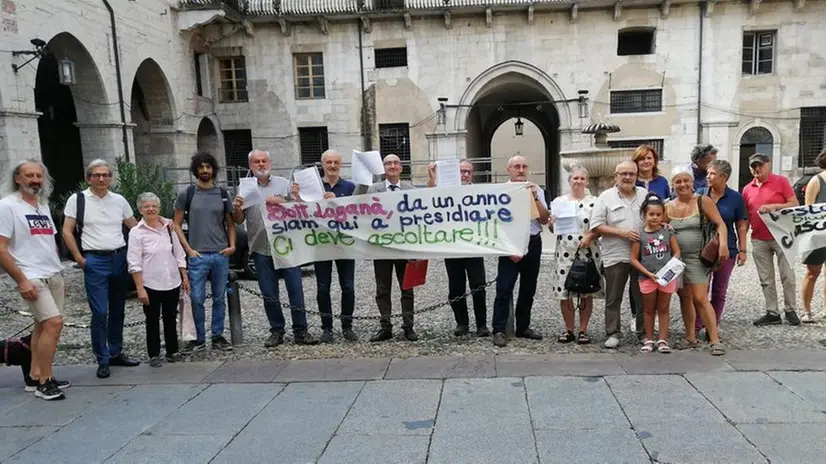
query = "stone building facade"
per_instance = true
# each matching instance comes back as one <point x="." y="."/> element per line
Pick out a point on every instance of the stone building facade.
<point x="423" y="78"/>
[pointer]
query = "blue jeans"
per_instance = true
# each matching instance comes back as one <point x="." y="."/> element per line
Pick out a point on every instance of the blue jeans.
<point x="105" y="279"/>
<point x="268" y="283"/>
<point x="214" y="266"/>
<point x="324" y="279"/>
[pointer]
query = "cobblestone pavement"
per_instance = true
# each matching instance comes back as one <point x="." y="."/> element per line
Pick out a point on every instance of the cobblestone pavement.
<point x="745" y="303"/>
<point x="751" y="407"/>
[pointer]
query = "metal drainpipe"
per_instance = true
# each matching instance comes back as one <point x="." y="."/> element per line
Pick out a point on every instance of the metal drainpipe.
<point x="366" y="133"/>
<point x="700" y="77"/>
<point x="119" y="79"/>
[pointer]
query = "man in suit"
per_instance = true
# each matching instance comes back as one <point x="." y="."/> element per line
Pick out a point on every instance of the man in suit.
<point x="384" y="267"/>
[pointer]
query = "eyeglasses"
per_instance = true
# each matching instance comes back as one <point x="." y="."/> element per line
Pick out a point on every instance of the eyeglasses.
<point x="466" y="171"/>
<point x="626" y="174"/>
<point x="105" y="175"/>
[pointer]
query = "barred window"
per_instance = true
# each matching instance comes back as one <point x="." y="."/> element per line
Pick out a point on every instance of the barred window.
<point x="636" y="101"/>
<point x="391" y="57"/>
<point x="658" y="144"/>
<point x="812" y="135"/>
<point x="309" y="76"/>
<point x="394" y="139"/>
<point x="232" y="79"/>
<point x="388" y="4"/>
<point x="237" y="146"/>
<point x="758" y="52"/>
<point x="313" y="142"/>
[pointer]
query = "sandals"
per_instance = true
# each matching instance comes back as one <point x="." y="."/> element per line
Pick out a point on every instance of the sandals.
<point x="687" y="345"/>
<point x="647" y="347"/>
<point x="662" y="347"/>
<point x="567" y="337"/>
<point x="718" y="349"/>
<point x="583" y="339"/>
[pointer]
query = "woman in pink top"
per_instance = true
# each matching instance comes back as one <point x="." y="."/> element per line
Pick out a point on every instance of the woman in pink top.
<point x="157" y="263"/>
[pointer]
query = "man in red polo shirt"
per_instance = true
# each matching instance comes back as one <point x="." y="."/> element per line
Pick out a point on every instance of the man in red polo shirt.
<point x="770" y="192"/>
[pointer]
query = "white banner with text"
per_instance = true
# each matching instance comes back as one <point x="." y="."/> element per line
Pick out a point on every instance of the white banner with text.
<point x="799" y="230"/>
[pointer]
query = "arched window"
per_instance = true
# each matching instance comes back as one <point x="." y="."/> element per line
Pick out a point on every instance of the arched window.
<point x="757" y="136"/>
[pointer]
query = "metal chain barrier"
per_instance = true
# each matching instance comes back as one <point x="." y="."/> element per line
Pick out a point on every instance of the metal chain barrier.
<point x="425" y="309"/>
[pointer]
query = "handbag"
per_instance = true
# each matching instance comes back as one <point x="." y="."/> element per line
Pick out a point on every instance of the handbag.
<point x="583" y="276"/>
<point x="710" y="251"/>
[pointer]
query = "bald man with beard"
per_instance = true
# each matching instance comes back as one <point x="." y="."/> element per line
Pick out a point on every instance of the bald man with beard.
<point x="525" y="268"/>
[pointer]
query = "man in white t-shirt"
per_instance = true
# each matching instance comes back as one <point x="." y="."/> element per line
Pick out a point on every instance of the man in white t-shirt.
<point x="28" y="253"/>
<point x="103" y="260"/>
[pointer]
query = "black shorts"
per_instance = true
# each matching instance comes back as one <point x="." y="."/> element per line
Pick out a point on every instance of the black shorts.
<point x="816" y="258"/>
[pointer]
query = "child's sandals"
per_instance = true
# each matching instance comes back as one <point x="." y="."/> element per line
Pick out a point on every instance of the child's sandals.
<point x="567" y="337"/>
<point x="662" y="347"/>
<point x="647" y="346"/>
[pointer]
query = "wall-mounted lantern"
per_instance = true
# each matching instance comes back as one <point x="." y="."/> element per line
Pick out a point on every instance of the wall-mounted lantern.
<point x="519" y="127"/>
<point x="583" y="104"/>
<point x="66" y="71"/>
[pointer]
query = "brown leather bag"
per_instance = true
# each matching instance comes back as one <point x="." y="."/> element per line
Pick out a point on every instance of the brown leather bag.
<point x="710" y="252"/>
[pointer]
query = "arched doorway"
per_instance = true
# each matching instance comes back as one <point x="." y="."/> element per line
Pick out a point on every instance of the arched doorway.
<point x="755" y="140"/>
<point x="72" y="116"/>
<point x="152" y="112"/>
<point x="513" y="90"/>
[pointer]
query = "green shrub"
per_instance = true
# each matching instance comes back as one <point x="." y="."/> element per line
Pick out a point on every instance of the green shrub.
<point x="133" y="180"/>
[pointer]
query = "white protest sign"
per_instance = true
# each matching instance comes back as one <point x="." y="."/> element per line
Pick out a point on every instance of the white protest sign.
<point x="309" y="183"/>
<point x="441" y="222"/>
<point x="365" y="165"/>
<point x="799" y="230"/>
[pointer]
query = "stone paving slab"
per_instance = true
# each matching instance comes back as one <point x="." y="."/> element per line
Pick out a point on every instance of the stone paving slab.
<point x="483" y="421"/>
<point x="295" y="427"/>
<point x="777" y="360"/>
<point x="811" y="386"/>
<point x="394" y="407"/>
<point x="377" y="449"/>
<point x="688" y="443"/>
<point x="333" y="370"/>
<point x="617" y="445"/>
<point x="59" y="413"/>
<point x="442" y="367"/>
<point x="573" y="403"/>
<point x="584" y="364"/>
<point x="184" y="372"/>
<point x="172" y="449"/>
<point x="221" y="410"/>
<point x="788" y="444"/>
<point x="14" y="439"/>
<point x="13" y="397"/>
<point x="754" y="397"/>
<point x="677" y="362"/>
<point x="657" y="399"/>
<point x="11" y="377"/>
<point x="247" y="371"/>
<point x="109" y="426"/>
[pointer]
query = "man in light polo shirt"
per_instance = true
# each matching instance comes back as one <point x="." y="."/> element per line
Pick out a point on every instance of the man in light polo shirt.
<point x="525" y="268"/>
<point x="766" y="193"/>
<point x="28" y="253"/>
<point x="616" y="217"/>
<point x="103" y="260"/>
<point x="275" y="190"/>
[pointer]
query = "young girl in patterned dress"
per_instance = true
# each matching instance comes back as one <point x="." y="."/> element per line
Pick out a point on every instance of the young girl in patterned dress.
<point x="656" y="246"/>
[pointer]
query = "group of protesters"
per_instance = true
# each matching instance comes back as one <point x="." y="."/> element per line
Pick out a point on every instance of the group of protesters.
<point x="629" y="232"/>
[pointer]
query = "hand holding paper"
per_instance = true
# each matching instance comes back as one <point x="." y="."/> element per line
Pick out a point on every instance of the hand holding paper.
<point x="447" y="173"/>
<point x="248" y="190"/>
<point x="365" y="165"/>
<point x="309" y="183"/>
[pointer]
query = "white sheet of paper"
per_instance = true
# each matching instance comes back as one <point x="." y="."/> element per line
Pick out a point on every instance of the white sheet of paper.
<point x="248" y="189"/>
<point x="786" y="163"/>
<point x="309" y="183"/>
<point x="563" y="209"/>
<point x="672" y="269"/>
<point x="365" y="165"/>
<point x="447" y="173"/>
<point x="566" y="226"/>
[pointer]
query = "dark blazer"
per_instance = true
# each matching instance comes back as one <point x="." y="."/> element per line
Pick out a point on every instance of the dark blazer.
<point x="380" y="187"/>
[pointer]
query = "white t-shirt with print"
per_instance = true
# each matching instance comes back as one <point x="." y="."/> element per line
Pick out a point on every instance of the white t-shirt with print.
<point x="102" y="220"/>
<point x="31" y="234"/>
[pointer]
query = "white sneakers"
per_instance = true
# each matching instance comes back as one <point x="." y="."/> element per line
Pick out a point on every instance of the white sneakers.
<point x="612" y="342"/>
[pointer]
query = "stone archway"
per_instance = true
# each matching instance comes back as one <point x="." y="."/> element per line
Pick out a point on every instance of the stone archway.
<point x="514" y="90"/>
<point x="76" y="125"/>
<point x="755" y="140"/>
<point x="153" y="115"/>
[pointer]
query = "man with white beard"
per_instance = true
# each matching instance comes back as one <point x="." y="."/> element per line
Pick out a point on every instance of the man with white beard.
<point x="275" y="190"/>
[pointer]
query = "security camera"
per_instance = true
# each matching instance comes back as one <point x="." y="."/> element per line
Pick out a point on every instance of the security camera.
<point x="38" y="43"/>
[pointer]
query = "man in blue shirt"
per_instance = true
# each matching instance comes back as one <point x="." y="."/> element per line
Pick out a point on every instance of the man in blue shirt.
<point x="701" y="156"/>
<point x="335" y="187"/>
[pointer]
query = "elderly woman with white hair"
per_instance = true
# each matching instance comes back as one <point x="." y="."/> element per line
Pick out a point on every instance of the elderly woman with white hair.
<point x="578" y="203"/>
<point x="687" y="212"/>
<point x="157" y="262"/>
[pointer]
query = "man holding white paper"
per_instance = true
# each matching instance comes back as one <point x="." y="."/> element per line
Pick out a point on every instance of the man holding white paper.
<point x="275" y="190"/>
<point x="334" y="187"/>
<point x="458" y="268"/>
<point x="384" y="267"/>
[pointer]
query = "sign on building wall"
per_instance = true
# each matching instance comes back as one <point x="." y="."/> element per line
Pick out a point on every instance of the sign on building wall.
<point x="448" y="222"/>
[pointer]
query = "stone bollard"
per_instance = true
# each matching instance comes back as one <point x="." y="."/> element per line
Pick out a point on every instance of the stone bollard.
<point x="236" y="331"/>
